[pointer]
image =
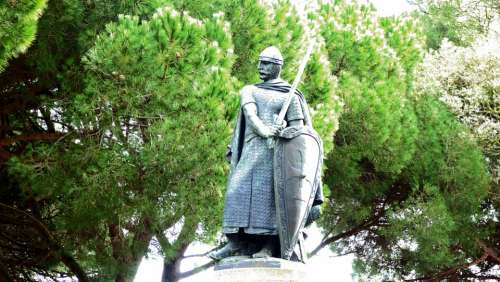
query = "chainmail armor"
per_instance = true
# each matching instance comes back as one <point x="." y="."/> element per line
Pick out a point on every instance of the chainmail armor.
<point x="249" y="201"/>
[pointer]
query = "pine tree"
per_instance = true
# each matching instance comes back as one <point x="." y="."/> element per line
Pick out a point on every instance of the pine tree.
<point x="463" y="78"/>
<point x="458" y="21"/>
<point x="63" y="116"/>
<point x="18" y="27"/>
<point x="405" y="178"/>
<point x="113" y="130"/>
<point x="35" y="86"/>
<point x="130" y="165"/>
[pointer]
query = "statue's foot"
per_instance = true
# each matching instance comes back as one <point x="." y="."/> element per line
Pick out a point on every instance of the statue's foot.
<point x="265" y="252"/>
<point x="230" y="249"/>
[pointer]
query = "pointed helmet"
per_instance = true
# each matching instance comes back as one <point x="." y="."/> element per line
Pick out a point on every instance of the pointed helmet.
<point x="271" y="54"/>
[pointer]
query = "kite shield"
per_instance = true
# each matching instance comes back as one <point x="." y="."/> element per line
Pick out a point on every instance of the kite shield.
<point x="297" y="164"/>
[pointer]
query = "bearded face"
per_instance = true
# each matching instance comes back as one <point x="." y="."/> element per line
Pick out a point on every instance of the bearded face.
<point x="268" y="70"/>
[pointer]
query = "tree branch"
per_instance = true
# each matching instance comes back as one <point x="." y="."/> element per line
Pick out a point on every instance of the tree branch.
<point x="367" y="223"/>
<point x="30" y="137"/>
<point x="58" y="250"/>
<point x="201" y="255"/>
<point x="492" y="253"/>
<point x="444" y="274"/>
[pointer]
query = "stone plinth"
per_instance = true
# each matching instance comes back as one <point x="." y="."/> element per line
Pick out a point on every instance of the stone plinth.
<point x="242" y="269"/>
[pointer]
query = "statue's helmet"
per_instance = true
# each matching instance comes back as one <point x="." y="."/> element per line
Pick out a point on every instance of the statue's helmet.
<point x="271" y="54"/>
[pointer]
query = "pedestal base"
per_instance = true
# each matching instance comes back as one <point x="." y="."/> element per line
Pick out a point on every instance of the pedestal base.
<point x="242" y="269"/>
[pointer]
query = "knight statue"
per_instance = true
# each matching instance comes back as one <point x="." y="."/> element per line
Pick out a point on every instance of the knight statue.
<point x="274" y="185"/>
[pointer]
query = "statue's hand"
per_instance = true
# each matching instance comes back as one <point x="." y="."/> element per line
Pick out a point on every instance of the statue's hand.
<point x="275" y="129"/>
<point x="280" y="124"/>
<point x="269" y="131"/>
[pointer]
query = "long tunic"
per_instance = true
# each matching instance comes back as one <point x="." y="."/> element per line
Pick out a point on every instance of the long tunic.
<point x="249" y="202"/>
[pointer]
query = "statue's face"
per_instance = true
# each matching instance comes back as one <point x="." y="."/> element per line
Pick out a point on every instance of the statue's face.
<point x="268" y="70"/>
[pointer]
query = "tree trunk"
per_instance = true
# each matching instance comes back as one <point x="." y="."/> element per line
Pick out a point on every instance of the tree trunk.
<point x="171" y="270"/>
<point x="129" y="270"/>
<point x="121" y="277"/>
<point x="129" y="257"/>
<point x="172" y="267"/>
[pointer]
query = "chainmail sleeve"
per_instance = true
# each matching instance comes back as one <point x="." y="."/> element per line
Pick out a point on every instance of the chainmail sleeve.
<point x="294" y="110"/>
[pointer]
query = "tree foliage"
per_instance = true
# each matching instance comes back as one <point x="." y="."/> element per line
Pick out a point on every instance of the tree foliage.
<point x="114" y="124"/>
<point x="405" y="176"/>
<point x="18" y="27"/>
<point x="124" y="168"/>
<point x="35" y="87"/>
<point x="463" y="78"/>
<point x="104" y="144"/>
<point x="460" y="21"/>
<point x="466" y="79"/>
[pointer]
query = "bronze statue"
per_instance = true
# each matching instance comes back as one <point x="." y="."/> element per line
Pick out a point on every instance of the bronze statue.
<point x="274" y="187"/>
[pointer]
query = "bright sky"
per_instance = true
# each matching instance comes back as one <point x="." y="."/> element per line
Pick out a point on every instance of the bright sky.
<point x="391" y="7"/>
<point x="322" y="265"/>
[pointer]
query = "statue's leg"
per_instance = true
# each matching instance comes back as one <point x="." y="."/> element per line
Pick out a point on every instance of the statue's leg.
<point x="269" y="246"/>
<point x="234" y="245"/>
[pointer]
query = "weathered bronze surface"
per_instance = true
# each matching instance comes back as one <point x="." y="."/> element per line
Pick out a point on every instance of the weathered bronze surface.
<point x="272" y="186"/>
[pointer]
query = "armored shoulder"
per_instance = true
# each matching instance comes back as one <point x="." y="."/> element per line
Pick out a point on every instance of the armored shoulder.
<point x="246" y="95"/>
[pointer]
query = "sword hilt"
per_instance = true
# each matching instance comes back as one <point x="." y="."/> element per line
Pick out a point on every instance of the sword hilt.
<point x="282" y="125"/>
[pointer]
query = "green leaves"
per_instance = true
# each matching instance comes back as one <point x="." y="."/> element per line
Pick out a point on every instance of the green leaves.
<point x="153" y="102"/>
<point x="459" y="21"/>
<point x="158" y="86"/>
<point x="404" y="176"/>
<point x="18" y="27"/>
<point x="144" y="95"/>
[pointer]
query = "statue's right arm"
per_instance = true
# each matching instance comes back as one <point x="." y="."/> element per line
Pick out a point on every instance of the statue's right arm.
<point x="250" y="111"/>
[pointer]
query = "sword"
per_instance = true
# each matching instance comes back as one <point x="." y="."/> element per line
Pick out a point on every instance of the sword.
<point x="281" y="117"/>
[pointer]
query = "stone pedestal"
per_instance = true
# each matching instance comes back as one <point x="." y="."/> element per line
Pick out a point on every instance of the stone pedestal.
<point x="242" y="269"/>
